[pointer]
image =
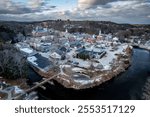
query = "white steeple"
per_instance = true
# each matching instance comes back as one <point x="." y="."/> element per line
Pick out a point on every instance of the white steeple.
<point x="66" y="31"/>
<point x="100" y="32"/>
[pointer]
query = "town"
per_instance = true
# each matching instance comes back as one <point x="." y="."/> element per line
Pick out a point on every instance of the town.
<point x="81" y="60"/>
<point x="76" y="60"/>
<point x="74" y="49"/>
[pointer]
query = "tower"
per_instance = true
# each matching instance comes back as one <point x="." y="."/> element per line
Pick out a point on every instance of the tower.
<point x="66" y="31"/>
<point x="100" y="32"/>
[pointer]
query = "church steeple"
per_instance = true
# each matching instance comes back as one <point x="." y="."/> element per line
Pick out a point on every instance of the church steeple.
<point x="100" y="32"/>
<point x="66" y="31"/>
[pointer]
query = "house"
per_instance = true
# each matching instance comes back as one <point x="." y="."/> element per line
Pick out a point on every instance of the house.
<point x="40" y="31"/>
<point x="90" y="53"/>
<point x="76" y="44"/>
<point x="67" y="44"/>
<point x="116" y="39"/>
<point x="10" y="92"/>
<point x="63" y="49"/>
<point x="99" y="38"/>
<point x="72" y="39"/>
<point x="27" y="51"/>
<point x="90" y="40"/>
<point x="108" y="37"/>
<point x="55" y="55"/>
<point x="62" y="52"/>
<point x="45" y="47"/>
<point x="40" y="62"/>
<point x="63" y="41"/>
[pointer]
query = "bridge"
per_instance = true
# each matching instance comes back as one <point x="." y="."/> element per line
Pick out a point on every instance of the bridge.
<point x="37" y="85"/>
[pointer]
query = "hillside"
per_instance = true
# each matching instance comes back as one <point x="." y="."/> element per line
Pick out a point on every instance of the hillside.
<point x="91" y="27"/>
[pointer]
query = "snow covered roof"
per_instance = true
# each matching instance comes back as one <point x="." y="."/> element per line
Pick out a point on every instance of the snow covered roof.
<point x="55" y="55"/>
<point x="115" y="39"/>
<point x="98" y="50"/>
<point x="27" y="50"/>
<point x="40" y="61"/>
<point x="32" y="59"/>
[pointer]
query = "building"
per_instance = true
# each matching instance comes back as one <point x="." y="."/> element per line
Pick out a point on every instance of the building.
<point x="55" y="55"/>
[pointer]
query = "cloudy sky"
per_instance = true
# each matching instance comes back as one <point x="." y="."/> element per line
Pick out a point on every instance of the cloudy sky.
<point x="121" y="11"/>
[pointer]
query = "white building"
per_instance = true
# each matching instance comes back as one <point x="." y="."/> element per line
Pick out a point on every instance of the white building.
<point x="55" y="55"/>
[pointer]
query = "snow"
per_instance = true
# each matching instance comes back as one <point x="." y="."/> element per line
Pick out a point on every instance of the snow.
<point x="71" y="53"/>
<point x="27" y="50"/>
<point x="18" y="90"/>
<point x="107" y="67"/>
<point x="46" y="54"/>
<point x="76" y="69"/>
<point x="98" y="65"/>
<point x="66" y="66"/>
<point x="84" y="82"/>
<point x="43" y="37"/>
<point x="82" y="63"/>
<point x="61" y="69"/>
<point x="109" y="58"/>
<point x="98" y="79"/>
<point x="76" y="75"/>
<point x="115" y="39"/>
<point x="32" y="59"/>
<point x="106" y="60"/>
<point x="92" y="48"/>
<point x="147" y="43"/>
<point x="55" y="55"/>
<point x="18" y="45"/>
<point x="125" y="46"/>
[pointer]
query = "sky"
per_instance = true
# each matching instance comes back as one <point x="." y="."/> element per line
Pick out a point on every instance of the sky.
<point x="120" y="11"/>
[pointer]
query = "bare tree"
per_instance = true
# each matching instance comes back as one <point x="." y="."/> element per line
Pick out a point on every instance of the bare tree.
<point x="12" y="63"/>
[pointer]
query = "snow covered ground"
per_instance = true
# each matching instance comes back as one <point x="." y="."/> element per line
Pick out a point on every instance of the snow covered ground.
<point x="76" y="69"/>
<point x="82" y="63"/>
<point x="84" y="82"/>
<point x="106" y="60"/>
<point x="62" y="67"/>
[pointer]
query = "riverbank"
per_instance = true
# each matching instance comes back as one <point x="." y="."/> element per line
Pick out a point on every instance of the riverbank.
<point x="99" y="76"/>
<point x="141" y="47"/>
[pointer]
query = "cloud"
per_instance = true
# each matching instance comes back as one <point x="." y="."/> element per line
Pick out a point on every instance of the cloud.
<point x="9" y="7"/>
<point x="85" y="4"/>
<point x="12" y="7"/>
<point x="90" y="3"/>
<point x="36" y="3"/>
<point x="121" y="11"/>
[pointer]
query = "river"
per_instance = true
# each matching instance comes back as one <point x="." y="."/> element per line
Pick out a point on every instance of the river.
<point x="128" y="85"/>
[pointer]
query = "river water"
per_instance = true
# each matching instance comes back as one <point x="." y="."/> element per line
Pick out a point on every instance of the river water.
<point x="128" y="85"/>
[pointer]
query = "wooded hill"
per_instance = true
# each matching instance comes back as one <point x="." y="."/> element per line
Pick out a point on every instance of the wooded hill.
<point x="91" y="27"/>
